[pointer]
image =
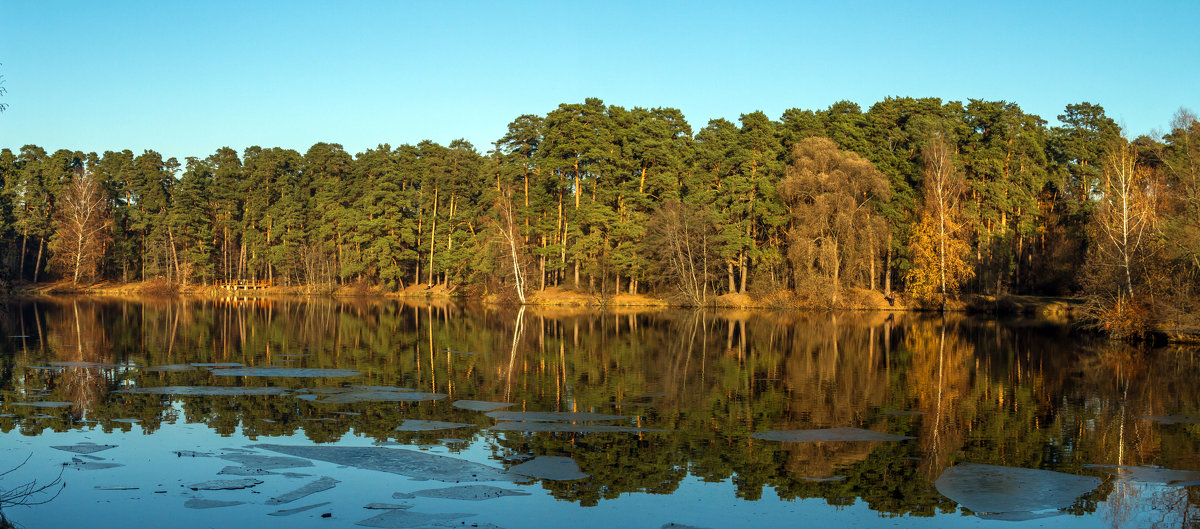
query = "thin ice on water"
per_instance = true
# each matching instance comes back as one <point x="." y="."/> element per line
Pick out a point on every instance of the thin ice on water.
<point x="469" y="492"/>
<point x="293" y="372"/>
<point x="401" y="518"/>
<point x="83" y="448"/>
<point x="554" y="468"/>
<point x="481" y="405"/>
<point x="289" y="512"/>
<point x="411" y="463"/>
<point x="321" y="484"/>
<point x="226" y="484"/>
<point x="997" y="489"/>
<point x="415" y="425"/>
<point x="554" y="416"/>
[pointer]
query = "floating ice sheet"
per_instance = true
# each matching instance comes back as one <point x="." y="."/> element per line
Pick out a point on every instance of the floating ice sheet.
<point x="80" y="464"/>
<point x="1174" y="419"/>
<point x="289" y="512"/>
<point x="87" y="365"/>
<point x="411" y="463"/>
<point x="295" y="372"/>
<point x="555" y="468"/>
<point x="83" y="448"/>
<point x="400" y="518"/>
<point x="510" y="426"/>
<point x="218" y="364"/>
<point x="43" y="404"/>
<point x="244" y="471"/>
<point x="321" y="484"/>
<point x="170" y="367"/>
<point x="383" y="506"/>
<point x="200" y="503"/>
<point x="553" y="416"/>
<point x="353" y="396"/>
<point x="826" y="435"/>
<point x="992" y="489"/>
<point x="469" y="492"/>
<point x="127" y="420"/>
<point x="1164" y="476"/>
<point x="481" y="405"/>
<point x="226" y="484"/>
<point x="415" y="425"/>
<point x="217" y="391"/>
<point x="267" y="462"/>
<point x="191" y="453"/>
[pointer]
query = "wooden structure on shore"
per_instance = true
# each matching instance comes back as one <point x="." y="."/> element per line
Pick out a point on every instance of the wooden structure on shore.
<point x="234" y="286"/>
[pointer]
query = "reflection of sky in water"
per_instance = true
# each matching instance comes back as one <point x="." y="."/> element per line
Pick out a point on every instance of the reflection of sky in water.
<point x="151" y="465"/>
<point x="995" y="395"/>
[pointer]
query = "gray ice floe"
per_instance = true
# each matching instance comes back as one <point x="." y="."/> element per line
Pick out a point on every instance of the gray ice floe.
<point x="826" y="435"/>
<point x="1173" y="419"/>
<point x="366" y="395"/>
<point x="294" y="372"/>
<point x="481" y="405"/>
<point x="469" y="492"/>
<point x="200" y="503"/>
<point x="554" y="416"/>
<point x="401" y="518"/>
<point x="289" y="512"/>
<point x="43" y="404"/>
<point x="244" y="471"/>
<point x="267" y="462"/>
<point x="554" y="468"/>
<point x="415" y="425"/>
<point x="1012" y="492"/>
<point x="217" y="364"/>
<point x="226" y="484"/>
<point x="86" y="365"/>
<point x="79" y="464"/>
<point x="215" y="391"/>
<point x="383" y="506"/>
<point x="321" y="484"/>
<point x="511" y="426"/>
<point x="170" y="367"/>
<point x="411" y="463"/>
<point x="191" y="453"/>
<point x="127" y="420"/>
<point x="83" y="448"/>
<point x="1164" y="476"/>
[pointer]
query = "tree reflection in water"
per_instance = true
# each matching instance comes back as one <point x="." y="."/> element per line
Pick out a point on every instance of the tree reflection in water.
<point x="1007" y="393"/>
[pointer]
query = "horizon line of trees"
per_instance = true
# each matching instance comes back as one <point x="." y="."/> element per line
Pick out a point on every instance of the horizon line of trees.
<point x="922" y="196"/>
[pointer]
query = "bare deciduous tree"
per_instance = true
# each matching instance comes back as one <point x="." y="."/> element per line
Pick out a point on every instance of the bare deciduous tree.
<point x="82" y="226"/>
<point x="835" y="233"/>
<point x="682" y="241"/>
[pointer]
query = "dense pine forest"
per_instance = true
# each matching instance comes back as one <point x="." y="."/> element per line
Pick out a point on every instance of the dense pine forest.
<point x="915" y="197"/>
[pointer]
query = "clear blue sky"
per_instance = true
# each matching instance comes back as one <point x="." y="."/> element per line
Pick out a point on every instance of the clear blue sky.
<point x="185" y="78"/>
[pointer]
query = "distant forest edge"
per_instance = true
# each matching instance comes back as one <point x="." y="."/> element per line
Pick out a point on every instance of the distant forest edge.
<point x="920" y="198"/>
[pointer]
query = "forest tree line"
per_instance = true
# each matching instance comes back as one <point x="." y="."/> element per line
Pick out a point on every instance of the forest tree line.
<point x="919" y="196"/>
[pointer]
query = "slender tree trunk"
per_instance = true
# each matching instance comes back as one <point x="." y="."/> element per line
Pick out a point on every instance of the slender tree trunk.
<point x="433" y="236"/>
<point x="37" y="263"/>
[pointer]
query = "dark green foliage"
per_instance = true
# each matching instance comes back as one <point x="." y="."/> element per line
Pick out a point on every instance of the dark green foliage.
<point x="583" y="183"/>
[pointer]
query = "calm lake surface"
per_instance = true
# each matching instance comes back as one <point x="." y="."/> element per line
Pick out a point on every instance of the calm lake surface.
<point x="185" y="390"/>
